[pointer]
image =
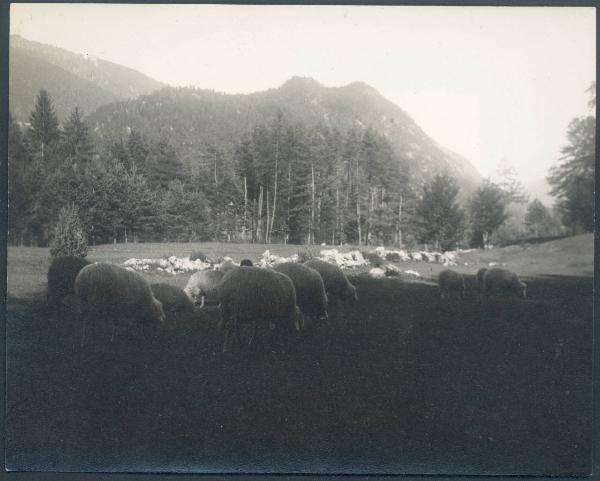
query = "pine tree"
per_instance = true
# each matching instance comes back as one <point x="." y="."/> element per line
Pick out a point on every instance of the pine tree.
<point x="572" y="180"/>
<point x="440" y="216"/>
<point x="539" y="221"/>
<point x="137" y="150"/>
<point x="163" y="165"/>
<point x="19" y="192"/>
<point x="77" y="144"/>
<point x="487" y="212"/>
<point x="44" y="129"/>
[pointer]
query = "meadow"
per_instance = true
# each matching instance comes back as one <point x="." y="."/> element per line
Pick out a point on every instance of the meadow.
<point x="399" y="382"/>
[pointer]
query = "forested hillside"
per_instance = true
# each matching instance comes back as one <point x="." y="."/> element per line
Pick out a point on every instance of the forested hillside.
<point x="194" y="119"/>
<point x="74" y="79"/>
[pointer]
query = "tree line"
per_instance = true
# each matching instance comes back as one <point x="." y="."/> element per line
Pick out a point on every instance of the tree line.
<point x="282" y="183"/>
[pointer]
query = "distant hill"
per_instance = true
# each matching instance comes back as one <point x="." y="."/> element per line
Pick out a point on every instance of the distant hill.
<point x="70" y="78"/>
<point x="194" y="117"/>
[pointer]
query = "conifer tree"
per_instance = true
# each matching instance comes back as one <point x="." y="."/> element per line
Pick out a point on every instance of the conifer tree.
<point x="440" y="216"/>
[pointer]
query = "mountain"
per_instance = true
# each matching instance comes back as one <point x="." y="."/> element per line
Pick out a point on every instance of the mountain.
<point x="193" y="118"/>
<point x="71" y="79"/>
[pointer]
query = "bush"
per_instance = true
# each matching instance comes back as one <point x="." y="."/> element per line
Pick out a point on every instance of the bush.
<point x="69" y="238"/>
<point x="392" y="257"/>
<point x="374" y="259"/>
<point x="199" y="255"/>
<point x="307" y="254"/>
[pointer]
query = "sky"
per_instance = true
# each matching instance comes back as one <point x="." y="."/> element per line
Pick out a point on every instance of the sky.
<point x="494" y="84"/>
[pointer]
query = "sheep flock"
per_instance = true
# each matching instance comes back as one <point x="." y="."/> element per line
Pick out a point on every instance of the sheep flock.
<point x="278" y="295"/>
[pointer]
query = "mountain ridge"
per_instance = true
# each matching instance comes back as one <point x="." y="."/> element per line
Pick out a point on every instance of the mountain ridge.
<point x="82" y="75"/>
<point x="220" y="116"/>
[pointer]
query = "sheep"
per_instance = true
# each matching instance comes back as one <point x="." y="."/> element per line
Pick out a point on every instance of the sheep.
<point x="226" y="266"/>
<point x="251" y="295"/>
<point x="480" y="274"/>
<point x="336" y="282"/>
<point x="107" y="291"/>
<point x="246" y="263"/>
<point x="451" y="281"/>
<point x="503" y="281"/>
<point x="203" y="285"/>
<point x="174" y="300"/>
<point x="61" y="279"/>
<point x="310" y="290"/>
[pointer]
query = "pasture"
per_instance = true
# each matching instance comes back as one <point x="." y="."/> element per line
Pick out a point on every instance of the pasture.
<point x="397" y="383"/>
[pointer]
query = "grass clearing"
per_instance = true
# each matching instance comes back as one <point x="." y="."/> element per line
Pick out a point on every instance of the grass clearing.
<point x="397" y="383"/>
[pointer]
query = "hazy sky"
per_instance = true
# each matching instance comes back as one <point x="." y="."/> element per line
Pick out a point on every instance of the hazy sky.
<point x="490" y="83"/>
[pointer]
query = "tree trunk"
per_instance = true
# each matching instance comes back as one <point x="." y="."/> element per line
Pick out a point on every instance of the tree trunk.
<point x="289" y="202"/>
<point x="337" y="216"/>
<point x="245" y="224"/>
<point x="311" y="235"/>
<point x="274" y="190"/>
<point x="267" y="225"/>
<point x="400" y="222"/>
<point x="259" y="216"/>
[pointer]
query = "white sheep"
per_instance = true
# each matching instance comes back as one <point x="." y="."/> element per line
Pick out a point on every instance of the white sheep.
<point x="203" y="286"/>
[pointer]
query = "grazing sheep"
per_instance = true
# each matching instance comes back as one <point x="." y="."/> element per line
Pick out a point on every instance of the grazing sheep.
<point x="174" y="299"/>
<point x="246" y="263"/>
<point x="503" y="281"/>
<point x="451" y="281"/>
<point x="61" y="279"/>
<point x="310" y="290"/>
<point x="480" y="274"/>
<point x="107" y="291"/>
<point x="336" y="282"/>
<point x="251" y="295"/>
<point x="203" y="286"/>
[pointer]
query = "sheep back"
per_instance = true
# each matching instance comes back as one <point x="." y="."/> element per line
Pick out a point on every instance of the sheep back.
<point x="451" y="281"/>
<point x="503" y="281"/>
<point x="251" y="295"/>
<point x="310" y="290"/>
<point x="112" y="291"/>
<point x="335" y="281"/>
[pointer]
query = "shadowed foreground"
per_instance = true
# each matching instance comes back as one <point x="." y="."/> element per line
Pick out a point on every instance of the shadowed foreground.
<point x="398" y="383"/>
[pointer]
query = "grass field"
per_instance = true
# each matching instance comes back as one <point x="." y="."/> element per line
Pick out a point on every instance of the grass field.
<point x="397" y="383"/>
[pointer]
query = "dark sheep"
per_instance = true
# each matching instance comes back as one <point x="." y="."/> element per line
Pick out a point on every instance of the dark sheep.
<point x="106" y="291"/>
<point x="251" y="296"/>
<point x="336" y="282"/>
<point x="61" y="279"/>
<point x="310" y="290"/>
<point x="451" y="281"/>
<point x="202" y="287"/>
<point x="246" y="263"/>
<point x="174" y="300"/>
<point x="498" y="280"/>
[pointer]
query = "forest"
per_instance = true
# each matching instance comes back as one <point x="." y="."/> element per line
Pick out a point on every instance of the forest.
<point x="283" y="182"/>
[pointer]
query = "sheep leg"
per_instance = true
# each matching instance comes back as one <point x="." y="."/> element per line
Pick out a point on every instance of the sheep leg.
<point x="114" y="330"/>
<point x="202" y="303"/>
